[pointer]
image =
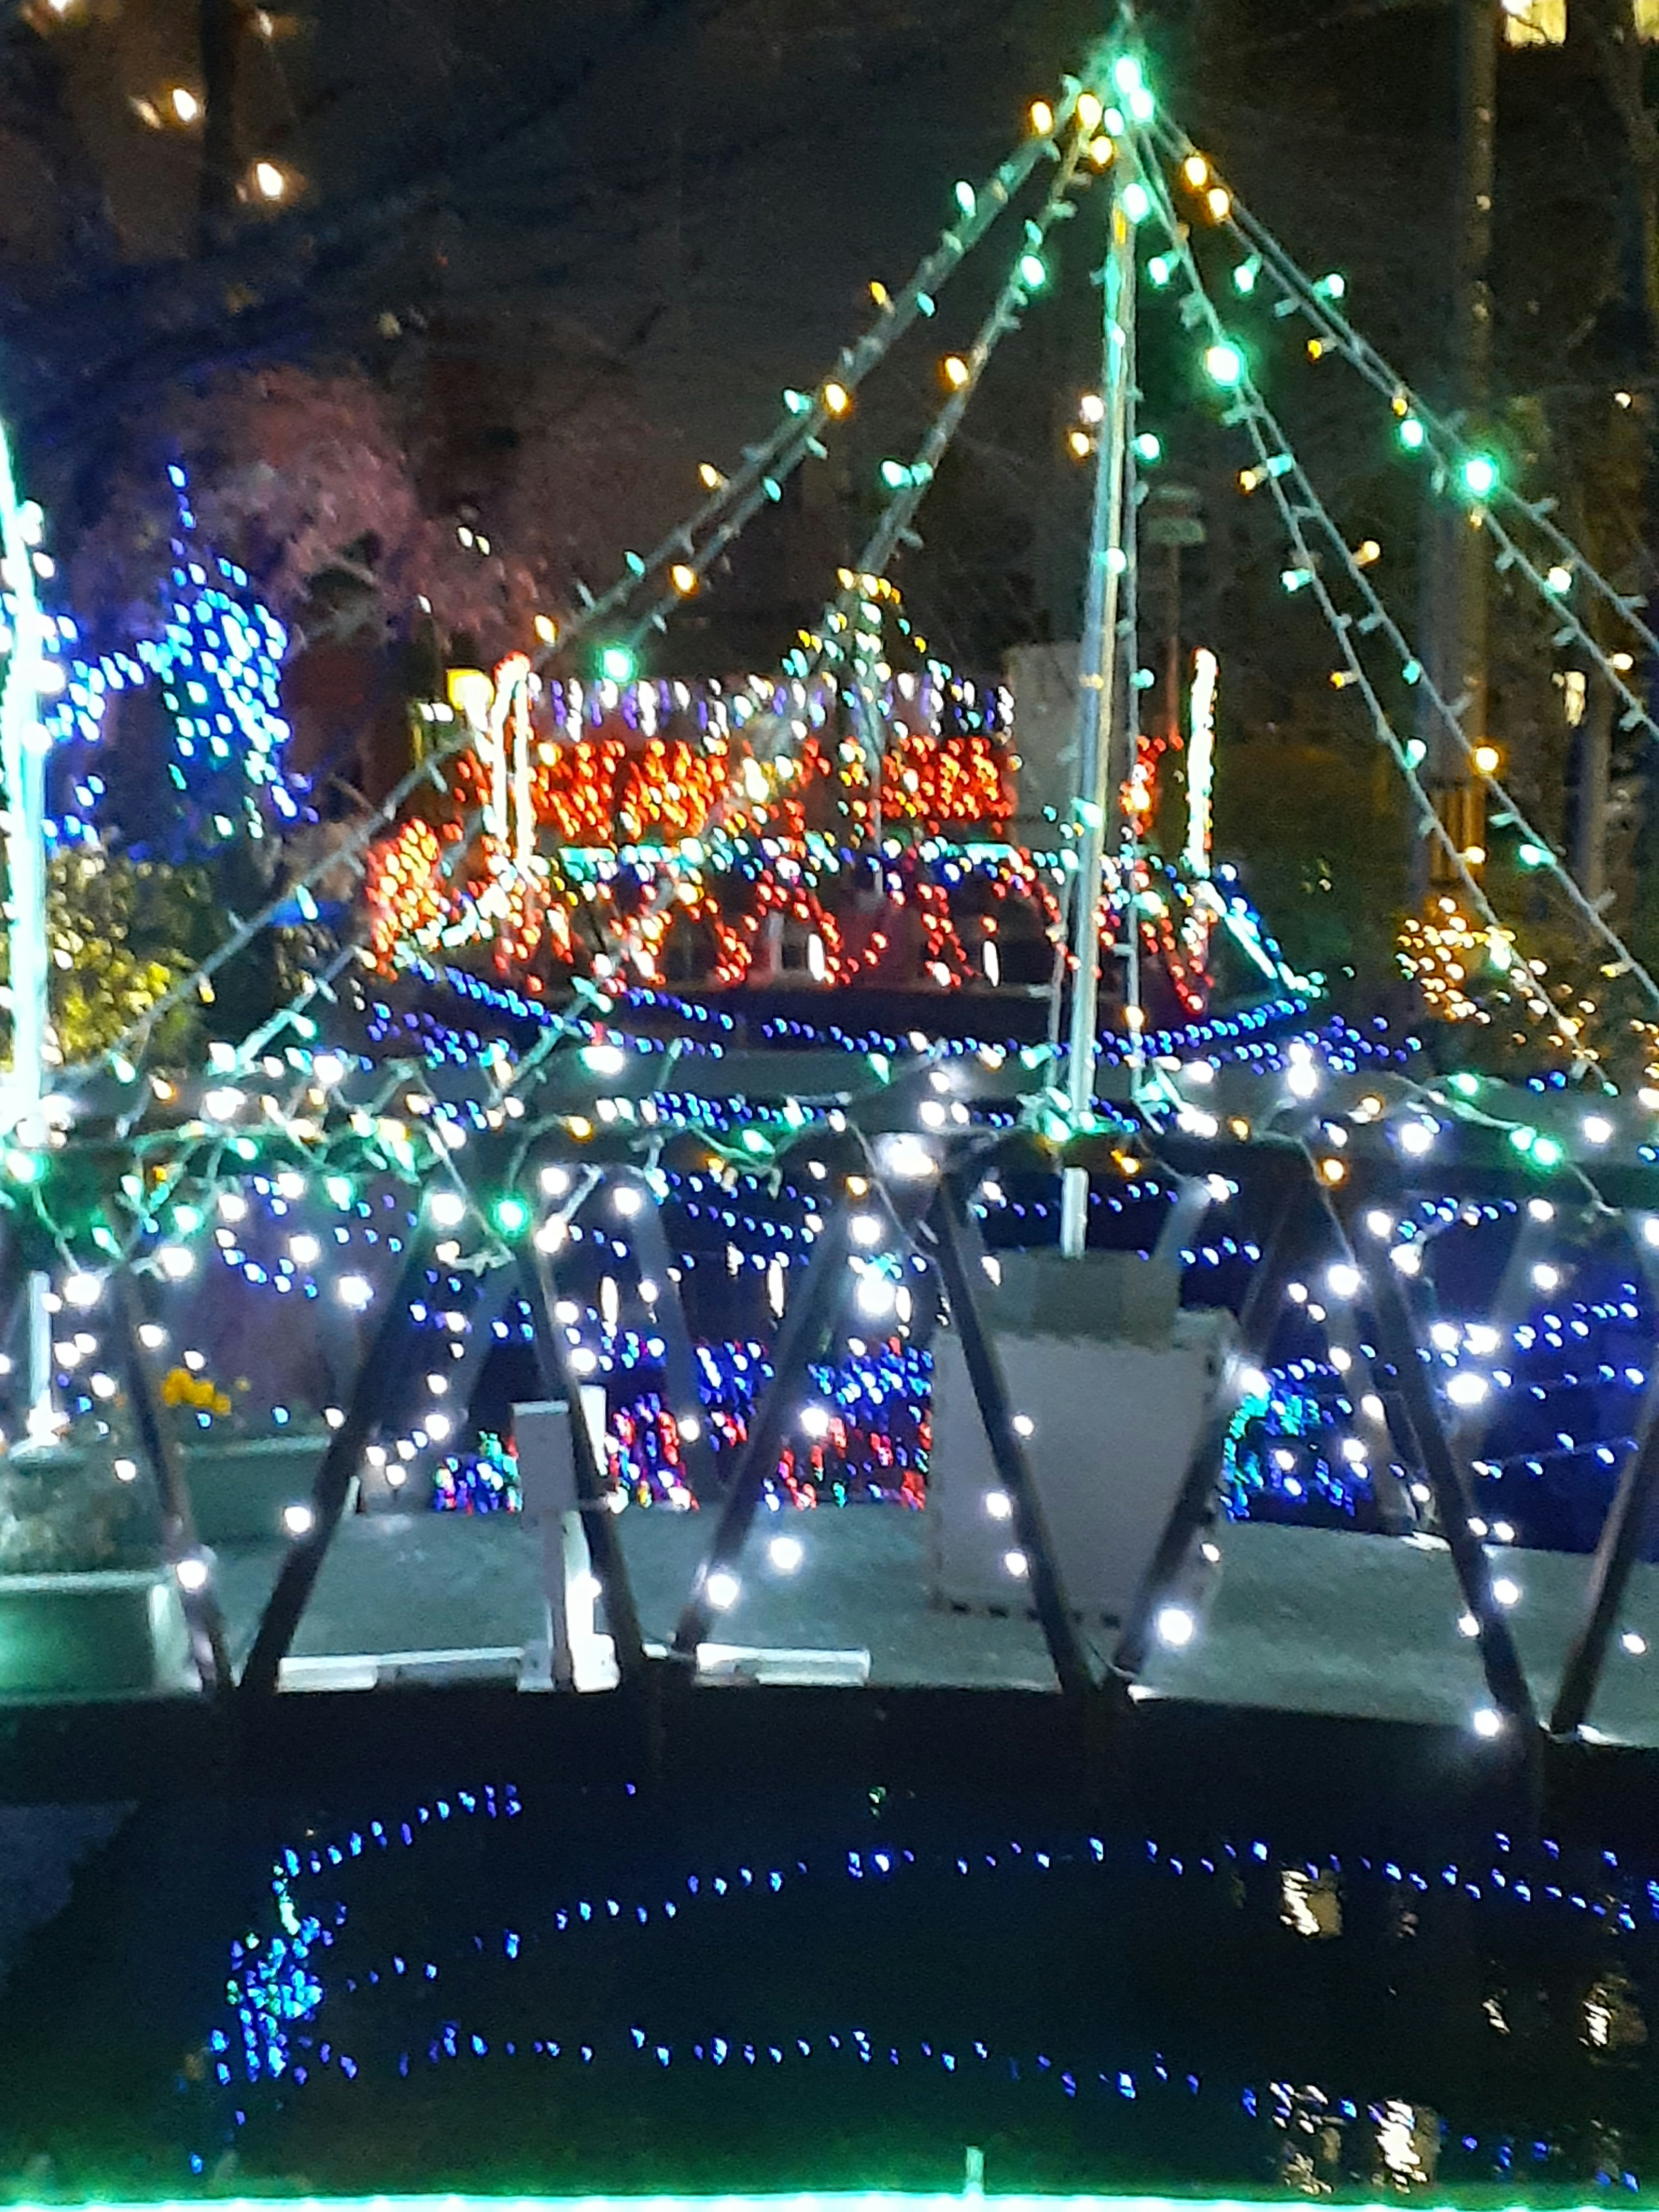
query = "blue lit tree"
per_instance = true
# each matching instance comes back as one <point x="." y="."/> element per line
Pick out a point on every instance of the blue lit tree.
<point x="169" y="794"/>
<point x="204" y="767"/>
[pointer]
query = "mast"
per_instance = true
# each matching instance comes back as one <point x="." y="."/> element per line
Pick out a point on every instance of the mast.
<point x="1103" y="728"/>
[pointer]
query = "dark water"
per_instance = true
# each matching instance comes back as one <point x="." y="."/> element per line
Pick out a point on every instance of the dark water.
<point x="515" y="1988"/>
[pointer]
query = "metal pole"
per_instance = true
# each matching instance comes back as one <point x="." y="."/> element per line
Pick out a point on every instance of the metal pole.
<point x="1128" y="853"/>
<point x="1172" y="654"/>
<point x="1593" y="747"/>
<point x="1100" y="766"/>
<point x="24" y="765"/>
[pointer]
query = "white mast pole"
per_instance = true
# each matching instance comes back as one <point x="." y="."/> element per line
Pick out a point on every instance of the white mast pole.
<point x="1102" y="730"/>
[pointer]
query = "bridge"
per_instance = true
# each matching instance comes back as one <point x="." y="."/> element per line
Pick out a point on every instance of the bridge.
<point x="666" y="1293"/>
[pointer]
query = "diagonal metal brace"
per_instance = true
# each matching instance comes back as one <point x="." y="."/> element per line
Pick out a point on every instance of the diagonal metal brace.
<point x="809" y="1319"/>
<point x="1449" y="1478"/>
<point x="1257" y="1317"/>
<point x="1624" y="1532"/>
<point x="1623" y="1535"/>
<point x="651" y="1249"/>
<point x="381" y="1368"/>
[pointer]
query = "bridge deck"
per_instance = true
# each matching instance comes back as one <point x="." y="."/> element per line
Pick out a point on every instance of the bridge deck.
<point x="1305" y="1621"/>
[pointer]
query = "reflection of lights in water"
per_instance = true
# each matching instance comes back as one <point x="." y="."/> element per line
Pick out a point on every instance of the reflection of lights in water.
<point x="317" y="1992"/>
<point x="1407" y="2138"/>
<point x="1612" y="2019"/>
<point x="1310" y="2159"/>
<point x="1310" y="1904"/>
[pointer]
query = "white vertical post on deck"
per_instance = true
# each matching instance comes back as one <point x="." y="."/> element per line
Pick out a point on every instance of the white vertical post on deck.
<point x="1102" y="727"/>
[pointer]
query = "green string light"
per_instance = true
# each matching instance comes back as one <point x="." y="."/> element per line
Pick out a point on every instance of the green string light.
<point x="1479" y="473"/>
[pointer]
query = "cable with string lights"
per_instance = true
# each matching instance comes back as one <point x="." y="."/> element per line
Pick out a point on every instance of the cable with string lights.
<point x="1421" y="430"/>
<point x="1277" y="468"/>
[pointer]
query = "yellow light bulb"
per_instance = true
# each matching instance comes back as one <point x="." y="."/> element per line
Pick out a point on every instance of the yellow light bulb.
<point x="954" y="369"/>
<point x="837" y="399"/>
<point x="185" y="105"/>
<point x="1101" y="151"/>
<point x="1485" y="759"/>
<point x="1367" y="552"/>
<point x="1042" y="118"/>
<point x="547" y="630"/>
<point x="1081" y="444"/>
<point x="1196" y="171"/>
<point x="879" y="293"/>
<point x="683" y="580"/>
<point x="709" y="476"/>
<point x="1089" y="111"/>
<point x="1219" y="201"/>
<point x="270" y="180"/>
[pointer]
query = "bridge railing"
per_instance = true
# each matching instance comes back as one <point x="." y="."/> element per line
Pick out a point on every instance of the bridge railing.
<point x="813" y="1437"/>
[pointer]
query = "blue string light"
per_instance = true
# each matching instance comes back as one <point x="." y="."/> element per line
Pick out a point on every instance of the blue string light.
<point x="217" y="667"/>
